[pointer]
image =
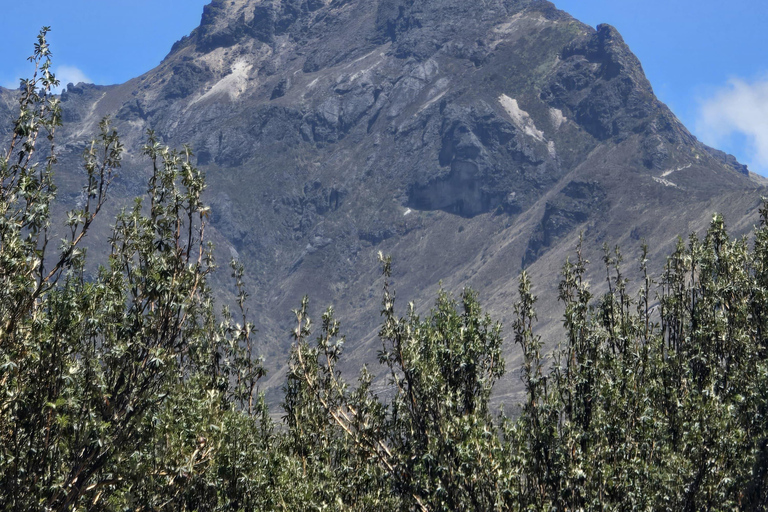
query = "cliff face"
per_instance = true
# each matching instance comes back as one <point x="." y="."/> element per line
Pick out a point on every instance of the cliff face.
<point x="466" y="139"/>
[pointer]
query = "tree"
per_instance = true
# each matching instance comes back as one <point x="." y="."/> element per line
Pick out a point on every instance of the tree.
<point x="655" y="408"/>
<point x="92" y="370"/>
<point x="433" y="443"/>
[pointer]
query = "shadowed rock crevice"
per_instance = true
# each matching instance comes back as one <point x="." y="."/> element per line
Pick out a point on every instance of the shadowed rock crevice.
<point x="460" y="193"/>
<point x="487" y="164"/>
<point x="576" y="203"/>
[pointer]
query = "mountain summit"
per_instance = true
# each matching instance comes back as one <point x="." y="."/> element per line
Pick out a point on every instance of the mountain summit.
<point x="469" y="140"/>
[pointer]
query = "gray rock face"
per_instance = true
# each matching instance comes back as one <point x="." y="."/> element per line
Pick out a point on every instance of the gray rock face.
<point x="576" y="203"/>
<point x="481" y="157"/>
<point x="466" y="139"/>
<point x="602" y="84"/>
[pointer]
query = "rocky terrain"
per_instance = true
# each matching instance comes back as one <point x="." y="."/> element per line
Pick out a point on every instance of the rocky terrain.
<point x="469" y="140"/>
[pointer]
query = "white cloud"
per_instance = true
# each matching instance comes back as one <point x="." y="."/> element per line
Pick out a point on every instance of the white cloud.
<point x="69" y="74"/>
<point x="740" y="109"/>
<point x="64" y="74"/>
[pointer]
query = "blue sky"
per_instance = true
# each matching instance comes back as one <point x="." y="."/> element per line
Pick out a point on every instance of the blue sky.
<point x="707" y="59"/>
<point x="103" y="41"/>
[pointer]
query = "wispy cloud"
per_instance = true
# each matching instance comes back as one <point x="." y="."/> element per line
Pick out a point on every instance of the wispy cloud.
<point x="64" y="74"/>
<point x="69" y="74"/>
<point x="738" y="111"/>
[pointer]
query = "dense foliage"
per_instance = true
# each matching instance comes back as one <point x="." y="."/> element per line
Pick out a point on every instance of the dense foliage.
<point x="124" y="389"/>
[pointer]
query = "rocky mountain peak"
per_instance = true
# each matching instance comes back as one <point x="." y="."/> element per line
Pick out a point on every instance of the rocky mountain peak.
<point x="607" y="47"/>
<point x="466" y="139"/>
<point x="417" y="28"/>
<point x="225" y="23"/>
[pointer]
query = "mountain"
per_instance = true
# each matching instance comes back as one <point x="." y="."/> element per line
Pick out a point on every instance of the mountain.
<point x="469" y="140"/>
